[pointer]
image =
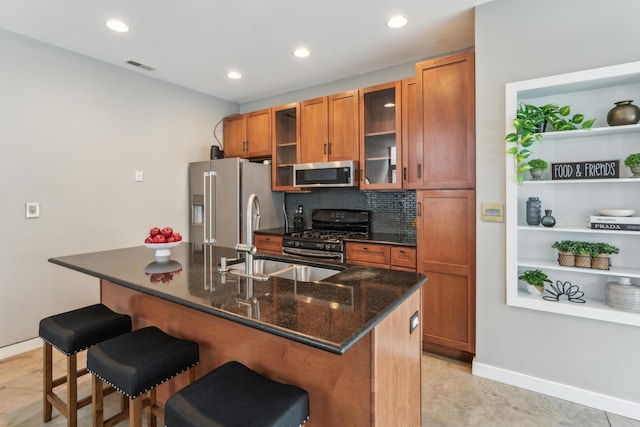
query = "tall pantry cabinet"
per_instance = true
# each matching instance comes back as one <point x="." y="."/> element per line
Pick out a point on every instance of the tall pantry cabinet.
<point x="440" y="164"/>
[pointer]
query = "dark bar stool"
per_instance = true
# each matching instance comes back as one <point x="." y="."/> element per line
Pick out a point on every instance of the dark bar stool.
<point x="134" y="364"/>
<point x="70" y="333"/>
<point x="233" y="395"/>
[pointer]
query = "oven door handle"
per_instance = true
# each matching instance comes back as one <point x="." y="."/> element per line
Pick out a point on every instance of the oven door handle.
<point x="302" y="252"/>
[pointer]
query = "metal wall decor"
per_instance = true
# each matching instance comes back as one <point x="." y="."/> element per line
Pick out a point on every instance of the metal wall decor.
<point x="573" y="292"/>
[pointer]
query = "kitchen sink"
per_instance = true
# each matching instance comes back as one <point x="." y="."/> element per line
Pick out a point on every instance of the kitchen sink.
<point x="286" y="270"/>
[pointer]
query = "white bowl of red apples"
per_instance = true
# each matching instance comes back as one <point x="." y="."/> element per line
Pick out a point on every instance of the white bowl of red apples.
<point x="162" y="240"/>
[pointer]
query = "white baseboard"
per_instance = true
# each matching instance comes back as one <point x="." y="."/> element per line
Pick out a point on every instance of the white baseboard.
<point x="21" y="347"/>
<point x="600" y="401"/>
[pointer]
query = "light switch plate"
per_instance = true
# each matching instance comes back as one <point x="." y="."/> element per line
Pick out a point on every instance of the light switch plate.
<point x="492" y="212"/>
<point x="32" y="210"/>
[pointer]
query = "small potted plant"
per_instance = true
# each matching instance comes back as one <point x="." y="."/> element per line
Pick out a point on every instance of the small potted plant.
<point x="585" y="251"/>
<point x="538" y="166"/>
<point x="603" y="252"/>
<point x="566" y="252"/>
<point x="633" y="163"/>
<point x="535" y="281"/>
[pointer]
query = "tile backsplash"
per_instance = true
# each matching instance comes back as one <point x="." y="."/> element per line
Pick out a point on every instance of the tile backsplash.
<point x="391" y="211"/>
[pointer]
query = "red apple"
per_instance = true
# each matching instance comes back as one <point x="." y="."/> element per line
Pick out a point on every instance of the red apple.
<point x="177" y="237"/>
<point x="170" y="239"/>
<point x="154" y="231"/>
<point x="159" y="238"/>
<point x="148" y="240"/>
<point x="167" y="232"/>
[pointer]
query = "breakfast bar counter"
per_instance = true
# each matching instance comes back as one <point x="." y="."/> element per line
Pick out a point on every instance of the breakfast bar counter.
<point x="352" y="339"/>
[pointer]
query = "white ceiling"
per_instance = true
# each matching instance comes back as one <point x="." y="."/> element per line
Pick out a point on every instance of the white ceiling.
<point x="194" y="43"/>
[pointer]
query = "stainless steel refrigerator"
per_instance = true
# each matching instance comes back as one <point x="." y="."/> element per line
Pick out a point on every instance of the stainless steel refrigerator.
<point x="219" y="190"/>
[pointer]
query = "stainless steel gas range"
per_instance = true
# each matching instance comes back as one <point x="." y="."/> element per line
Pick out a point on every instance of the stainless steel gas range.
<point x="325" y="239"/>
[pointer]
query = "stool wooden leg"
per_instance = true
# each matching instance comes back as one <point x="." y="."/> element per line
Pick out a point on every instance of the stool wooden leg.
<point x="135" y="411"/>
<point x="72" y="390"/>
<point x="97" y="407"/>
<point x="152" y="407"/>
<point x="47" y="381"/>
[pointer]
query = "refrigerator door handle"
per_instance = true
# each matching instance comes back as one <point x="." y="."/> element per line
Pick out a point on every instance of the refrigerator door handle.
<point x="211" y="189"/>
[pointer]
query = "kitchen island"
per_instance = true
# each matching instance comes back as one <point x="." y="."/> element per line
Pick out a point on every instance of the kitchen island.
<point x="352" y="340"/>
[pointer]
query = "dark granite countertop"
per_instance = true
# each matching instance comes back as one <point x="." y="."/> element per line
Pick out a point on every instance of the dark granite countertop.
<point x="332" y="314"/>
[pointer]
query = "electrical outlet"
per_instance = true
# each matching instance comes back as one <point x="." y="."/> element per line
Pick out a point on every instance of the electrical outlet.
<point x="32" y="209"/>
<point x="139" y="176"/>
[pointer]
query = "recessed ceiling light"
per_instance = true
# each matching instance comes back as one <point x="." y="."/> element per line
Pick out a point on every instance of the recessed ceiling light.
<point x="397" y="22"/>
<point x="301" y="52"/>
<point x="234" y="75"/>
<point x="117" y="26"/>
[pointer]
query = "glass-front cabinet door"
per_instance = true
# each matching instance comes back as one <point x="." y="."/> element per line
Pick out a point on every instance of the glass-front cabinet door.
<point x="380" y="136"/>
<point x="285" y="145"/>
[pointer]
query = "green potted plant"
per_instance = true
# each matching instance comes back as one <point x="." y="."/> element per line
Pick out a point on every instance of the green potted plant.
<point x="535" y="281"/>
<point x="567" y="250"/>
<point x="601" y="255"/>
<point x="585" y="250"/>
<point x="528" y="125"/>
<point x="633" y="163"/>
<point x="561" y="119"/>
<point x="538" y="166"/>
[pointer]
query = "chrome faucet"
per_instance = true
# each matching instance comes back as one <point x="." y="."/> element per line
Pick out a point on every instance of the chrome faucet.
<point x="248" y="248"/>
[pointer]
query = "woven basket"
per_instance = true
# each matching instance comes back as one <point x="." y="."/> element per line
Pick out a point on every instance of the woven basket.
<point x="566" y="259"/>
<point x="601" y="262"/>
<point x="583" y="261"/>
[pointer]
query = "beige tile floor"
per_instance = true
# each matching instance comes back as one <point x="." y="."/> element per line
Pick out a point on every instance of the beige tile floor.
<point x="451" y="397"/>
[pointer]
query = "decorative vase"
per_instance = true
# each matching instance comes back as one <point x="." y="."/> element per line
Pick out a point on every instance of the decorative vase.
<point x="601" y="262"/>
<point x="624" y="113"/>
<point x="548" y="220"/>
<point x="534" y="207"/>
<point x="566" y="259"/>
<point x="623" y="295"/>
<point x="583" y="261"/>
<point x="536" y="174"/>
<point x="635" y="170"/>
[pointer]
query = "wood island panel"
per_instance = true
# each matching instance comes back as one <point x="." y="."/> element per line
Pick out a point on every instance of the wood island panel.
<point x="375" y="382"/>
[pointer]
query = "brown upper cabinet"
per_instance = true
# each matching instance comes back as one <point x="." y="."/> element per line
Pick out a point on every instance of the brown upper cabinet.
<point x="380" y="137"/>
<point x="329" y="128"/>
<point x="285" y="137"/>
<point x="442" y="156"/>
<point x="248" y="135"/>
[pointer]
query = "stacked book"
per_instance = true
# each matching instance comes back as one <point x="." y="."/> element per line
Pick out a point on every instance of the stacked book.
<point x="622" y="223"/>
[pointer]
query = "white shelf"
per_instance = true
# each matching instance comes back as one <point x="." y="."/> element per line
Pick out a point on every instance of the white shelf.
<point x="591" y="309"/>
<point x="585" y="133"/>
<point x="588" y="230"/>
<point x="617" y="271"/>
<point x="583" y="181"/>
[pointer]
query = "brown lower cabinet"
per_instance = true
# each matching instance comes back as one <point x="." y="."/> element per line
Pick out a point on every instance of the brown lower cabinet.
<point x="268" y="243"/>
<point x="381" y="255"/>
<point x="446" y="254"/>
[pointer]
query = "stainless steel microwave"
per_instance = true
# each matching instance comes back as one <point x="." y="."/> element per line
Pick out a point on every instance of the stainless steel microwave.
<point x="325" y="174"/>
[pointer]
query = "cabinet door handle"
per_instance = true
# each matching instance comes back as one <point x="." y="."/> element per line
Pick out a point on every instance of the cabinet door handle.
<point x="419" y="209"/>
<point x="325" y="149"/>
<point x="419" y="170"/>
<point x="365" y="248"/>
<point x="329" y="148"/>
<point x="362" y="174"/>
<point x="404" y="173"/>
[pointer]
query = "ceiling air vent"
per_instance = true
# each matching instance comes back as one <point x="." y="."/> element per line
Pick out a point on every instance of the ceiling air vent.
<point x="139" y="65"/>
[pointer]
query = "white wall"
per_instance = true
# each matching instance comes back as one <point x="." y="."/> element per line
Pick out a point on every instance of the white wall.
<point x="578" y="359"/>
<point x="72" y="133"/>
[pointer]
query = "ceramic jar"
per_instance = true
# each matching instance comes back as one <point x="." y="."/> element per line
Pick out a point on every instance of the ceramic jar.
<point x="534" y="207"/>
<point x="624" y="113"/>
